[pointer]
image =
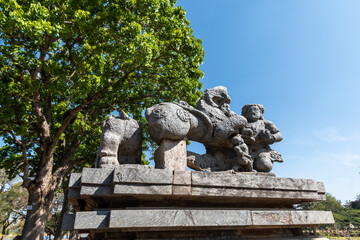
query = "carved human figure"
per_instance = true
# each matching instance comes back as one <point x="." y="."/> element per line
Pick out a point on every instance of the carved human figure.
<point x="259" y="134"/>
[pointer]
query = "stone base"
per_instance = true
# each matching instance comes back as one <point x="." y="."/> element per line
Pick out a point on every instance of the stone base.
<point x="139" y="202"/>
<point x="171" y="155"/>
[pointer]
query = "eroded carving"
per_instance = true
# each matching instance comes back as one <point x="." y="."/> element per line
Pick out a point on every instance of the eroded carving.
<point x="120" y="142"/>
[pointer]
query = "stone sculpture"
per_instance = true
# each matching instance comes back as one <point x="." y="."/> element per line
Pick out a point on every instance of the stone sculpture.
<point x="211" y="123"/>
<point x="120" y="142"/>
<point x="258" y="135"/>
<point x="233" y="142"/>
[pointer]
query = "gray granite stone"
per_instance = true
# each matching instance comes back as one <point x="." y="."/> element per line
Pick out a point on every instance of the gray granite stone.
<point x="271" y="218"/>
<point x="171" y="155"/>
<point x="120" y="142"/>
<point x="97" y="175"/>
<point x="182" y="177"/>
<point x="254" y="194"/>
<point x="142" y="175"/>
<point x="75" y="180"/>
<point x="252" y="182"/>
<point x="309" y="217"/>
<point x="181" y="190"/>
<point x="136" y="189"/>
<point x="92" y="220"/>
<point x="165" y="218"/>
<point x="94" y="190"/>
<point x="148" y="219"/>
<point x="68" y="222"/>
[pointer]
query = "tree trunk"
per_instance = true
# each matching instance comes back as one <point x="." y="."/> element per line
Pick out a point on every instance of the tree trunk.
<point x="40" y="199"/>
<point x="65" y="208"/>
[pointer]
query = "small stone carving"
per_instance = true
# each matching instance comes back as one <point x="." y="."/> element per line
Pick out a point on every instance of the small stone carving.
<point x="120" y="142"/>
<point x="258" y="135"/>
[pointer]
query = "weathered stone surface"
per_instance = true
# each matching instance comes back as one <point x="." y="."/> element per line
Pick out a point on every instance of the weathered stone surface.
<point x="120" y="142"/>
<point x="309" y="217"/>
<point x="181" y="190"/>
<point x="92" y="220"/>
<point x="154" y="218"/>
<point x="74" y="193"/>
<point x="182" y="219"/>
<point x="142" y="175"/>
<point x="182" y="178"/>
<point x="97" y="175"/>
<point x="68" y="222"/>
<point x="259" y="134"/>
<point x="136" y="189"/>
<point x="75" y="180"/>
<point x="253" y="193"/>
<point x="94" y="190"/>
<point x="271" y="218"/>
<point x="171" y="155"/>
<point x="252" y="182"/>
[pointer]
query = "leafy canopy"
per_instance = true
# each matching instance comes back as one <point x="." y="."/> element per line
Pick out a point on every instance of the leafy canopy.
<point x="66" y="64"/>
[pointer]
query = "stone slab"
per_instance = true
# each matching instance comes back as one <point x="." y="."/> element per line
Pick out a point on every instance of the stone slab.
<point x="68" y="222"/>
<point x="75" y="180"/>
<point x="253" y="193"/>
<point x="182" y="219"/>
<point x="253" y="182"/>
<point x="97" y="175"/>
<point x="307" y="217"/>
<point x="271" y="218"/>
<point x="92" y="220"/>
<point x="136" y="189"/>
<point x="146" y="218"/>
<point x="94" y="190"/>
<point x="142" y="175"/>
<point x="181" y="190"/>
<point x="182" y="178"/>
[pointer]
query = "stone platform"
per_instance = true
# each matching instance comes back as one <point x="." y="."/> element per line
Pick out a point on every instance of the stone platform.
<point x="139" y="202"/>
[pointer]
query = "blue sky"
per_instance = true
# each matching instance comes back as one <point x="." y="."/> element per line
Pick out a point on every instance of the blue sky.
<point x="301" y="60"/>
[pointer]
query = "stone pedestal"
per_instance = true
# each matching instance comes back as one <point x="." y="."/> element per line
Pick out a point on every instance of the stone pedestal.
<point x="171" y="155"/>
<point x="139" y="202"/>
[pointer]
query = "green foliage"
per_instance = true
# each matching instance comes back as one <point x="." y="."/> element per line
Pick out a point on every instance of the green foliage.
<point x="13" y="200"/>
<point x="347" y="216"/>
<point x="80" y="60"/>
<point x="343" y="216"/>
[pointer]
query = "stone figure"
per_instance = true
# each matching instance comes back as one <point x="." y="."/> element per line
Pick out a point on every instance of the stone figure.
<point x="120" y="142"/>
<point x="259" y="134"/>
<point x="211" y="123"/>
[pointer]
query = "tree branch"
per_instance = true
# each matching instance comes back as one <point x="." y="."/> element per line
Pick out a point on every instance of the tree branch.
<point x="85" y="102"/>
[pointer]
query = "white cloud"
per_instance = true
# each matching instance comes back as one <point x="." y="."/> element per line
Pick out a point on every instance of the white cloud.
<point x="343" y="158"/>
<point x="329" y="135"/>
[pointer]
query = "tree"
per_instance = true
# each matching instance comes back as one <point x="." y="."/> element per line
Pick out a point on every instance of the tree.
<point x="13" y="200"/>
<point x="330" y="204"/>
<point x="65" y="65"/>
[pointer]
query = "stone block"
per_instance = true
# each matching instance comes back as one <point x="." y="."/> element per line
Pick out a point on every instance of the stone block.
<point x="178" y="218"/>
<point x="74" y="193"/>
<point x="311" y="217"/>
<point x="253" y="193"/>
<point x="68" y="222"/>
<point x="135" y="189"/>
<point x="181" y="190"/>
<point x="143" y="175"/>
<point x="93" y="190"/>
<point x="271" y="218"/>
<point x="97" y="175"/>
<point x="171" y="155"/>
<point x="182" y="178"/>
<point x="239" y="180"/>
<point x="92" y="220"/>
<point x="75" y="180"/>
